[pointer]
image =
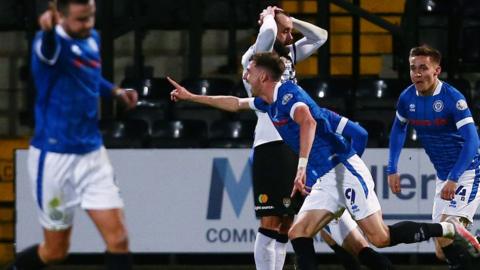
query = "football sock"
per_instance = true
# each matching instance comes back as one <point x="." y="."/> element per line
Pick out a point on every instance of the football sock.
<point x="305" y="253"/>
<point x="118" y="261"/>
<point x="346" y="259"/>
<point x="264" y="250"/>
<point x="374" y="260"/>
<point x="27" y="259"/>
<point x="411" y="232"/>
<point x="457" y="257"/>
<point x="280" y="251"/>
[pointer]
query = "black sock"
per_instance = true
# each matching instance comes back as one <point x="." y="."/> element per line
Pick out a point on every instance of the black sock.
<point x="282" y="238"/>
<point x="305" y="253"/>
<point x="118" y="261"/>
<point x="407" y="232"/>
<point x="267" y="232"/>
<point x="374" y="260"/>
<point x="28" y="259"/>
<point x="457" y="257"/>
<point x="346" y="259"/>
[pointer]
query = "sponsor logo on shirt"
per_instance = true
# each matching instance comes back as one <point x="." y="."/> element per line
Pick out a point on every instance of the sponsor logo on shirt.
<point x="438" y="105"/>
<point x="461" y="105"/>
<point x="412" y="107"/>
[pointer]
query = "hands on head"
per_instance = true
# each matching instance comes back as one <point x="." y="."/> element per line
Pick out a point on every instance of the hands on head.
<point x="270" y="10"/>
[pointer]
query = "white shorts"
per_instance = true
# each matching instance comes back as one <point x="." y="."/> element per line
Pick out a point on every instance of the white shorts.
<point x="340" y="228"/>
<point x="466" y="200"/>
<point x="61" y="182"/>
<point x="347" y="186"/>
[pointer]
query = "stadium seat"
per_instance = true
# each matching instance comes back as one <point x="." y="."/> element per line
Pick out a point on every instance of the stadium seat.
<point x="464" y="87"/>
<point x="377" y="133"/>
<point x="178" y="134"/>
<point x="331" y="94"/>
<point x="231" y="134"/>
<point x="124" y="134"/>
<point x="377" y="93"/>
<point x="194" y="111"/>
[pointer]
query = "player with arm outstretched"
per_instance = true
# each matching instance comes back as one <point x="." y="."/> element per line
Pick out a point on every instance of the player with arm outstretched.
<point x="273" y="177"/>
<point x="343" y="180"/>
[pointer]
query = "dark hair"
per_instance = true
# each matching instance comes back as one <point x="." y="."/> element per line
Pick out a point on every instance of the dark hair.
<point x="281" y="12"/>
<point x="63" y="5"/>
<point x="271" y="62"/>
<point x="426" y="50"/>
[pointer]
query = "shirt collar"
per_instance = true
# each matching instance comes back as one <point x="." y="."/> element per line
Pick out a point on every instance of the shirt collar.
<point x="275" y="91"/>
<point x="437" y="89"/>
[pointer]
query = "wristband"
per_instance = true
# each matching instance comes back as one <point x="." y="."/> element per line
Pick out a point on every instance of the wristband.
<point x="302" y="162"/>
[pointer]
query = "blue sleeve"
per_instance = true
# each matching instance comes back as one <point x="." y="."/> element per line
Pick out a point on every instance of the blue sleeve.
<point x="397" y="140"/>
<point x="106" y="87"/>
<point x="260" y="104"/>
<point x="357" y="135"/>
<point x="49" y="44"/>
<point x="469" y="150"/>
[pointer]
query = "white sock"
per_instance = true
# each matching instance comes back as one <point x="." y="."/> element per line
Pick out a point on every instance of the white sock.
<point x="280" y="254"/>
<point x="264" y="252"/>
<point x="448" y="229"/>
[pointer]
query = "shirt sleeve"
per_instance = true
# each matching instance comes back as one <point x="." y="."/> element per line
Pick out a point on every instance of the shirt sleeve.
<point x="313" y="38"/>
<point x="397" y="135"/>
<point x="460" y="111"/>
<point x="265" y="39"/>
<point x="105" y="87"/>
<point x="47" y="47"/>
<point x="288" y="102"/>
<point x="468" y="152"/>
<point x="258" y="104"/>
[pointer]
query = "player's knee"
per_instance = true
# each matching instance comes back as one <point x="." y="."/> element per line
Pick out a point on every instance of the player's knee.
<point x="298" y="230"/>
<point x="439" y="254"/>
<point x="117" y="242"/>
<point x="379" y="240"/>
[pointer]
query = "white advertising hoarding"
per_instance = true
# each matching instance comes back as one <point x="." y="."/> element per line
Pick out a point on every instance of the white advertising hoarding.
<point x="200" y="200"/>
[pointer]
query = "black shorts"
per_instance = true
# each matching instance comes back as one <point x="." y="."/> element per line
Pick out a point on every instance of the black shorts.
<point x="274" y="169"/>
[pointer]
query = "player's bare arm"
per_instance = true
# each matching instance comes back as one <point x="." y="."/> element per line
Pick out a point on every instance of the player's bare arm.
<point x="226" y="103"/>
<point x="304" y="119"/>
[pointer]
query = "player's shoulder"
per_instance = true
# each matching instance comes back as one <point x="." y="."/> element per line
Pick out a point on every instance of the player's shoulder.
<point x="408" y="93"/>
<point x="451" y="91"/>
<point x="454" y="98"/>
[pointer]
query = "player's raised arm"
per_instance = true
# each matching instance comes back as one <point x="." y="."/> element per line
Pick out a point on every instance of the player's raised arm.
<point x="226" y="103"/>
<point x="314" y="37"/>
<point x="47" y="48"/>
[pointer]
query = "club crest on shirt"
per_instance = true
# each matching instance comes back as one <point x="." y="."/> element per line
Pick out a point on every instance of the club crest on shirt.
<point x="286" y="98"/>
<point x="412" y="107"/>
<point x="438" y="105"/>
<point x="461" y="105"/>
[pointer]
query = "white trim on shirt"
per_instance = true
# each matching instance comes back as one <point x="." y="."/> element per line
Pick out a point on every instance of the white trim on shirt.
<point x="341" y="125"/>
<point x="401" y="118"/>
<point x="464" y="121"/>
<point x="38" y="51"/>
<point x="295" y="106"/>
